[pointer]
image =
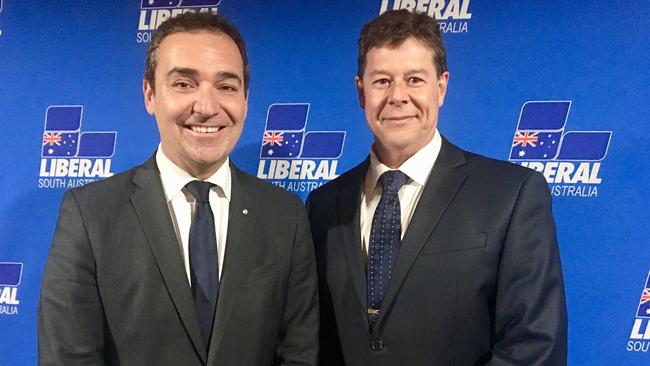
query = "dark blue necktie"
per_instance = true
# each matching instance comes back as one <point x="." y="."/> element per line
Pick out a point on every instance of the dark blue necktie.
<point x="204" y="262"/>
<point x="385" y="239"/>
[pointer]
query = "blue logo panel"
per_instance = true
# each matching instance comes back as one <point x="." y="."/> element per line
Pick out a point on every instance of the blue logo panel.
<point x="323" y="145"/>
<point x="585" y="145"/>
<point x="97" y="144"/>
<point x="287" y="117"/>
<point x="544" y="115"/>
<point x="63" y="118"/>
<point x="10" y="274"/>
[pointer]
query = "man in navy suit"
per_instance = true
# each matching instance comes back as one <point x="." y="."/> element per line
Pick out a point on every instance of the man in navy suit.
<point x="428" y="254"/>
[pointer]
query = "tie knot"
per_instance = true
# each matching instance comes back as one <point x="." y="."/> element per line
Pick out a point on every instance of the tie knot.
<point x="200" y="190"/>
<point x="392" y="180"/>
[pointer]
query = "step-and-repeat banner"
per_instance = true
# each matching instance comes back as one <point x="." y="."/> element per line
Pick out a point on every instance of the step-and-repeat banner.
<point x="562" y="87"/>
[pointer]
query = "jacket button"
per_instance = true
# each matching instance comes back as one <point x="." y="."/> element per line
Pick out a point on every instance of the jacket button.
<point x="376" y="345"/>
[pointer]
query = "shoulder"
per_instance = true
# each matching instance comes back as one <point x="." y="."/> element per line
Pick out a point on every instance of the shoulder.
<point x="350" y="180"/>
<point x="103" y="189"/>
<point x="493" y="172"/>
<point x="498" y="169"/>
<point x="498" y="182"/>
<point x="264" y="192"/>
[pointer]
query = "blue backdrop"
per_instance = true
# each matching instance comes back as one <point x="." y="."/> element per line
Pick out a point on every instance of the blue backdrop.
<point x="573" y="75"/>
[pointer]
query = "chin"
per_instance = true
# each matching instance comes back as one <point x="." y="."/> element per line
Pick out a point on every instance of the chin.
<point x="211" y="162"/>
<point x="398" y="144"/>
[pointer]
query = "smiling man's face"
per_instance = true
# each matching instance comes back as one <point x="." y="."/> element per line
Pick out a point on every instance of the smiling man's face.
<point x="199" y="99"/>
<point x="401" y="93"/>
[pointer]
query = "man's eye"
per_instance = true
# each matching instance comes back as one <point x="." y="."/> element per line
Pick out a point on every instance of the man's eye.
<point x="382" y="82"/>
<point x="182" y="84"/>
<point x="415" y="80"/>
<point x="228" y="88"/>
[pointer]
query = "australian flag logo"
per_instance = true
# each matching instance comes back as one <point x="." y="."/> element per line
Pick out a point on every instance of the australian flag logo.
<point x="541" y="135"/>
<point x="10" y="273"/>
<point x="152" y="4"/>
<point x="285" y="136"/>
<point x="643" y="311"/>
<point x="62" y="136"/>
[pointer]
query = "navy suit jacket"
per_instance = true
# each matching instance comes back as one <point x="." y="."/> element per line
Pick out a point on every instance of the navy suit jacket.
<point x="477" y="280"/>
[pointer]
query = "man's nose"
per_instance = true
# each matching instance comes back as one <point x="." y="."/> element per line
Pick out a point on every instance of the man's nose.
<point x="397" y="94"/>
<point x="207" y="101"/>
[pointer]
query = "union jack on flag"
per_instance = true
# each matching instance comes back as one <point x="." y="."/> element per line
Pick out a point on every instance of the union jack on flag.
<point x="644" y="303"/>
<point x="272" y="138"/>
<point x="52" y="138"/>
<point x="525" y="138"/>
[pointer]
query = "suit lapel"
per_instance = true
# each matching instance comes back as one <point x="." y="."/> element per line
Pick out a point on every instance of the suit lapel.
<point x="241" y="217"/>
<point x="349" y="221"/>
<point x="152" y="211"/>
<point x="440" y="189"/>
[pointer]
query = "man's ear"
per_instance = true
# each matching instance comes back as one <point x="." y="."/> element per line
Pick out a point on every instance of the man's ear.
<point x="148" y="93"/>
<point x="443" y="81"/>
<point x="358" y="83"/>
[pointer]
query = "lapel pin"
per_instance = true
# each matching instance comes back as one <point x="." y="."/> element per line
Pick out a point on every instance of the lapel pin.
<point x="245" y="211"/>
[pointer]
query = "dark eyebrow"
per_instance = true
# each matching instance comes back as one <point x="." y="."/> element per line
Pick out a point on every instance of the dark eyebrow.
<point x="183" y="71"/>
<point x="408" y="72"/>
<point x="417" y="71"/>
<point x="377" y="72"/>
<point x="221" y="75"/>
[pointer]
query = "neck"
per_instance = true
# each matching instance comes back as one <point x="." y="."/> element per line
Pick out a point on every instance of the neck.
<point x="203" y="172"/>
<point x="392" y="158"/>
<point x="197" y="169"/>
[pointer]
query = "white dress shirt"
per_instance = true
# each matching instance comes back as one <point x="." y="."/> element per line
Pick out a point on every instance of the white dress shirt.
<point x="182" y="204"/>
<point x="417" y="169"/>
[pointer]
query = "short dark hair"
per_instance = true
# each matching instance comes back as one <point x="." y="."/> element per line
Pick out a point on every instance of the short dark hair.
<point x="394" y="27"/>
<point x="194" y="22"/>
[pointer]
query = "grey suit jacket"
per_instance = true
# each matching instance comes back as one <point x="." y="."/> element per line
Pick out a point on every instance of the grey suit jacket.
<point x="115" y="291"/>
<point x="477" y="280"/>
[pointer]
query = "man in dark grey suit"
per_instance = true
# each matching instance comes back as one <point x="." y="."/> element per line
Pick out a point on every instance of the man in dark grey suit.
<point x="184" y="260"/>
<point x="428" y="254"/>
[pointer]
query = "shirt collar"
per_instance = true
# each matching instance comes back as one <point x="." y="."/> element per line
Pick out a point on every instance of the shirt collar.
<point x="174" y="178"/>
<point x="418" y="167"/>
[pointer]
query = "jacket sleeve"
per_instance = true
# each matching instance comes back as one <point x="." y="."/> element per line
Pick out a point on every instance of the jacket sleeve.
<point x="330" y="352"/>
<point x="530" y="312"/>
<point x="71" y="325"/>
<point x="298" y="343"/>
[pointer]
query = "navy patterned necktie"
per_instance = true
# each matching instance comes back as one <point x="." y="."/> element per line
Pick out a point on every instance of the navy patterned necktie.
<point x="204" y="262"/>
<point x="385" y="240"/>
